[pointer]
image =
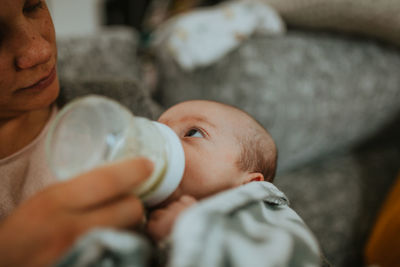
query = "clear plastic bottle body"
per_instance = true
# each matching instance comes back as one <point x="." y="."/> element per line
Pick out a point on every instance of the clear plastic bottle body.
<point x="143" y="139"/>
<point x="94" y="131"/>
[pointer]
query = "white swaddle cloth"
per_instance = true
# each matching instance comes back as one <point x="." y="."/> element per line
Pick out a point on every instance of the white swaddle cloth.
<point x="201" y="37"/>
<point x="251" y="225"/>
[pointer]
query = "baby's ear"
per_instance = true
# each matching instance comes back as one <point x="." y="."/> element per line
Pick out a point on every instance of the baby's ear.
<point x="254" y="177"/>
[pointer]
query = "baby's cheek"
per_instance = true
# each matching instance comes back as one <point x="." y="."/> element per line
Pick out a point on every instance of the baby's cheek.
<point x="230" y="159"/>
<point x="202" y="172"/>
<point x="195" y="185"/>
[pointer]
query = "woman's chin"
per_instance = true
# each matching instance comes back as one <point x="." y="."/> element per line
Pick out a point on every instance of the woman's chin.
<point x="35" y="99"/>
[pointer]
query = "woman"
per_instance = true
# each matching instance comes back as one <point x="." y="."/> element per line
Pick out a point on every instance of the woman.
<point x="38" y="225"/>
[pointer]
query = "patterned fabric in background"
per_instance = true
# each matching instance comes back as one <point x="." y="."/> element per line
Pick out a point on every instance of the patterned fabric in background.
<point x="203" y="36"/>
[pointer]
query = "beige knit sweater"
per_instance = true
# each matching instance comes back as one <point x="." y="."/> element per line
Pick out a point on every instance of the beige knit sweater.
<point x="24" y="173"/>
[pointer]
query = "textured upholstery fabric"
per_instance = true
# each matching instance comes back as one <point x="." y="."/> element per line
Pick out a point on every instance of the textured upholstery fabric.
<point x="109" y="54"/>
<point x="339" y="197"/>
<point x="128" y="93"/>
<point x="315" y="93"/>
<point x="369" y="17"/>
<point x="105" y="64"/>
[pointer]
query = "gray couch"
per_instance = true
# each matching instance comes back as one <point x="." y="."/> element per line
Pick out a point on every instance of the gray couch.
<point x="331" y="102"/>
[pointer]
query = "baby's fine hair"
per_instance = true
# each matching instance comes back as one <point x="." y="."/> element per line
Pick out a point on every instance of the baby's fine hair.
<point x="258" y="150"/>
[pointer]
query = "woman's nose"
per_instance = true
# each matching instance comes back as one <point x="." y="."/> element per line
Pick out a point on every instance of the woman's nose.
<point x="32" y="49"/>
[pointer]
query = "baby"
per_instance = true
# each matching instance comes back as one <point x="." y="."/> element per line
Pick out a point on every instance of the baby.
<point x="224" y="148"/>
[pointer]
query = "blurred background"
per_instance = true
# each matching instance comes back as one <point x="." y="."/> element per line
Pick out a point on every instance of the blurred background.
<point x="89" y="15"/>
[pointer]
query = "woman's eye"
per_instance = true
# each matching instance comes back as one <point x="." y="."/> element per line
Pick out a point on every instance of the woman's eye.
<point x="194" y="133"/>
<point x="32" y="7"/>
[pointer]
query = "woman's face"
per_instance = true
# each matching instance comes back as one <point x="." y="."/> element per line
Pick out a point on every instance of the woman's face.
<point x="28" y="55"/>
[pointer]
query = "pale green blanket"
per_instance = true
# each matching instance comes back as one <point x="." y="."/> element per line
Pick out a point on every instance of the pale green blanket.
<point x="248" y="226"/>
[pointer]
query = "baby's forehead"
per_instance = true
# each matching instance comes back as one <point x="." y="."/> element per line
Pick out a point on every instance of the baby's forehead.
<point x="214" y="113"/>
<point x="206" y="108"/>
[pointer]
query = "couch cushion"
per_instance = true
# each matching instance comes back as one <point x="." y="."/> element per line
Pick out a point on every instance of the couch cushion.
<point x="373" y="18"/>
<point x="316" y="93"/>
<point x="128" y="93"/>
<point x="339" y="198"/>
<point x="110" y="53"/>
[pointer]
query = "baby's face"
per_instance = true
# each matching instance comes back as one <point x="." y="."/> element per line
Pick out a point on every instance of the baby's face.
<point x="207" y="132"/>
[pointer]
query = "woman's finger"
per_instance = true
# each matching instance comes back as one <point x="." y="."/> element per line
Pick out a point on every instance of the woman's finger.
<point x="103" y="184"/>
<point x="122" y="213"/>
<point x="155" y="215"/>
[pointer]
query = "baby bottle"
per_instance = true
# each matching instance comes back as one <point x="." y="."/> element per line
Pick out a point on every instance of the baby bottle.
<point x="95" y="130"/>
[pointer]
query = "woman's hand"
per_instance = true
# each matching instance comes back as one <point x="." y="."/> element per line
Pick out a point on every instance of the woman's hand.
<point x="162" y="220"/>
<point x="39" y="231"/>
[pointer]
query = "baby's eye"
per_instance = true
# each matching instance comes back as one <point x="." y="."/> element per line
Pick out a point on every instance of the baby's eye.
<point x="194" y="133"/>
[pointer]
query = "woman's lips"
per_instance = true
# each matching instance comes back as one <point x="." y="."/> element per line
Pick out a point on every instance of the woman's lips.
<point x="43" y="83"/>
